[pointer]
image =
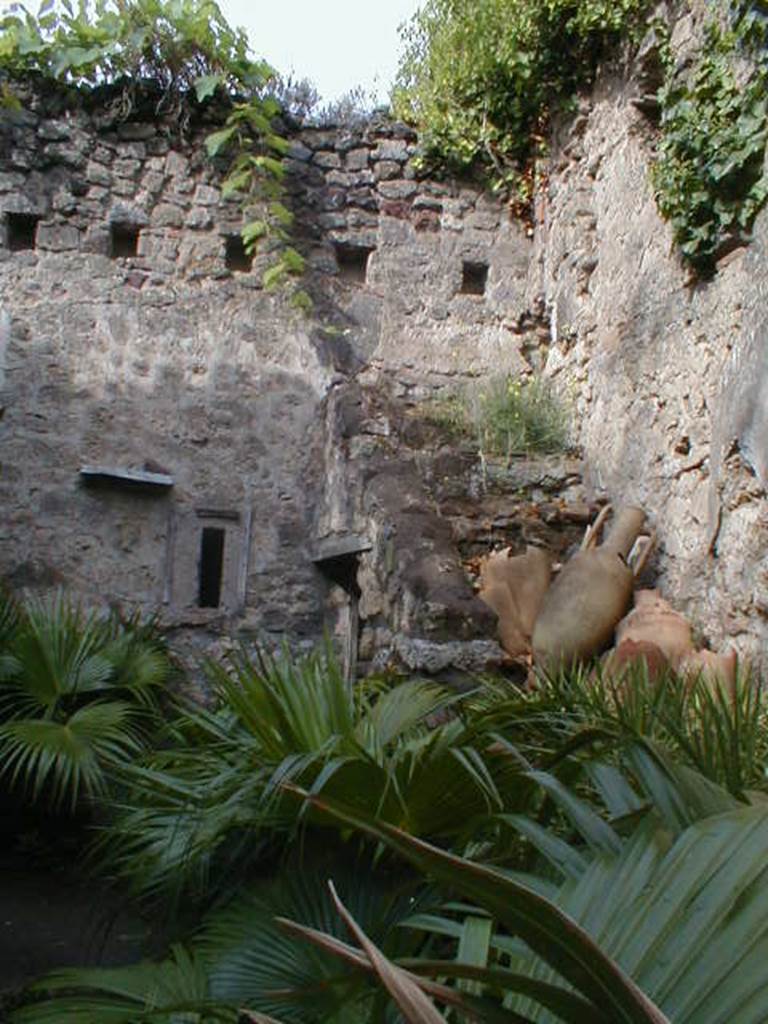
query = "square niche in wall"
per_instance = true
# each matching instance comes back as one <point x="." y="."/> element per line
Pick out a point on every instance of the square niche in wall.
<point x="21" y="230"/>
<point x="123" y="239"/>
<point x="352" y="261"/>
<point x="474" y="278"/>
<point x="235" y="256"/>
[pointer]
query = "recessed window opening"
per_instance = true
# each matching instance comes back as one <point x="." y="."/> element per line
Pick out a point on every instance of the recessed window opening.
<point x="235" y="256"/>
<point x="474" y="278"/>
<point x="22" y="229"/>
<point x="352" y="261"/>
<point x="124" y="240"/>
<point x="211" y="566"/>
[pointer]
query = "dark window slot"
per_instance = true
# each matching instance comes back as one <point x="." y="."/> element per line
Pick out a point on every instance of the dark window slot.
<point x="211" y="566"/>
<point x="235" y="256"/>
<point x="352" y="261"/>
<point x="22" y="230"/>
<point x="124" y="240"/>
<point x="474" y="278"/>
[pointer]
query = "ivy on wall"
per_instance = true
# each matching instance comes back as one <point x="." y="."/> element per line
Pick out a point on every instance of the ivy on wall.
<point x="709" y="177"/>
<point x="185" y="53"/>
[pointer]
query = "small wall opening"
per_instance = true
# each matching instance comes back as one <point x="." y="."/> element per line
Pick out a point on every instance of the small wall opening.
<point x="474" y="278"/>
<point x="123" y="240"/>
<point x="211" y="570"/>
<point x="21" y="230"/>
<point x="352" y="261"/>
<point x="235" y="256"/>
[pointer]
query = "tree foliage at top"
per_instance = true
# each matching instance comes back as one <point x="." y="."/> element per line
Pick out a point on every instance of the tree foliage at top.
<point x="480" y="76"/>
<point x="179" y="45"/>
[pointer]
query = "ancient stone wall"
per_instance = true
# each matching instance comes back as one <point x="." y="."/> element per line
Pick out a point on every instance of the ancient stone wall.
<point x="159" y="403"/>
<point x="165" y="430"/>
<point x="668" y="375"/>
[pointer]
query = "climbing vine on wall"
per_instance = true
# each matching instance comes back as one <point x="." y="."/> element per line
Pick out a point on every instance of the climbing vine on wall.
<point x="480" y="77"/>
<point x="709" y="176"/>
<point x="184" y="54"/>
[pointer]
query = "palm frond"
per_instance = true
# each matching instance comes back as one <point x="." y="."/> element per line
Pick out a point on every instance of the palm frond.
<point x="59" y="761"/>
<point x="57" y="648"/>
<point x="138" y="666"/>
<point x="170" y="992"/>
<point x="288" y="705"/>
<point x="389" y="715"/>
<point x="256" y="964"/>
<point x="549" y="932"/>
<point x="691" y="880"/>
<point x="181" y="815"/>
<point x="217" y="788"/>
<point x="686" y="918"/>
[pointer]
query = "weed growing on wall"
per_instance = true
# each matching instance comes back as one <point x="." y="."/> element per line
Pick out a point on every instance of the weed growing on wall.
<point x="510" y="416"/>
<point x="709" y="176"/>
<point x="505" y="416"/>
<point x="186" y="53"/>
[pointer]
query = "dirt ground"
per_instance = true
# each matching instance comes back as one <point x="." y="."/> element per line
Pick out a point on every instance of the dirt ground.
<point x="52" y="914"/>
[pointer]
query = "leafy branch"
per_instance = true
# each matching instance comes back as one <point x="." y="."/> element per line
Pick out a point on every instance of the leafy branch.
<point x="481" y="77"/>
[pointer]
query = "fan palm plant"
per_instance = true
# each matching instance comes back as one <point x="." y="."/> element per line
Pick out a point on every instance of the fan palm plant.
<point x="214" y="796"/>
<point x="657" y="911"/>
<point x="241" y="958"/>
<point x="174" y="991"/>
<point x="77" y="692"/>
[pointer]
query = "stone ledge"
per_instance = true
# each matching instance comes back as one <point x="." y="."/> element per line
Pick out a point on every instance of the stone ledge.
<point x="133" y="479"/>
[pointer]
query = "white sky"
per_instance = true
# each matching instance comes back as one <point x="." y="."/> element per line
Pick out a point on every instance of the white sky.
<point x="338" y="44"/>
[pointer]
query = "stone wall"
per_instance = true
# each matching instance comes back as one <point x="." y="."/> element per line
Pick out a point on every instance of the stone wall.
<point x="293" y="439"/>
<point x="669" y="375"/>
<point x="157" y="402"/>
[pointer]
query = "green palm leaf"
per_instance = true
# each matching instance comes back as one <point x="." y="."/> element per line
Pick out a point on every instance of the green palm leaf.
<point x="57" y="650"/>
<point x="139" y="665"/>
<point x="61" y="760"/>
<point x="172" y="992"/>
<point x="551" y="934"/>
<point x="689" y="921"/>
<point x="254" y="963"/>
<point x="386" y="716"/>
<point x="217" y="790"/>
<point x="74" y="698"/>
<point x="682" y="906"/>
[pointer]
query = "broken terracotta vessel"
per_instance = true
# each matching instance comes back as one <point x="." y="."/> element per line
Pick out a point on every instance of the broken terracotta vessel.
<point x="630" y="656"/>
<point x="589" y="597"/>
<point x="713" y="668"/>
<point x="514" y="587"/>
<point x="655" y="621"/>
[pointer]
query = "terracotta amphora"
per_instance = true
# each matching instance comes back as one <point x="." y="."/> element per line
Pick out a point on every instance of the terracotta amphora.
<point x="632" y="656"/>
<point x="514" y="587"/>
<point x="592" y="593"/>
